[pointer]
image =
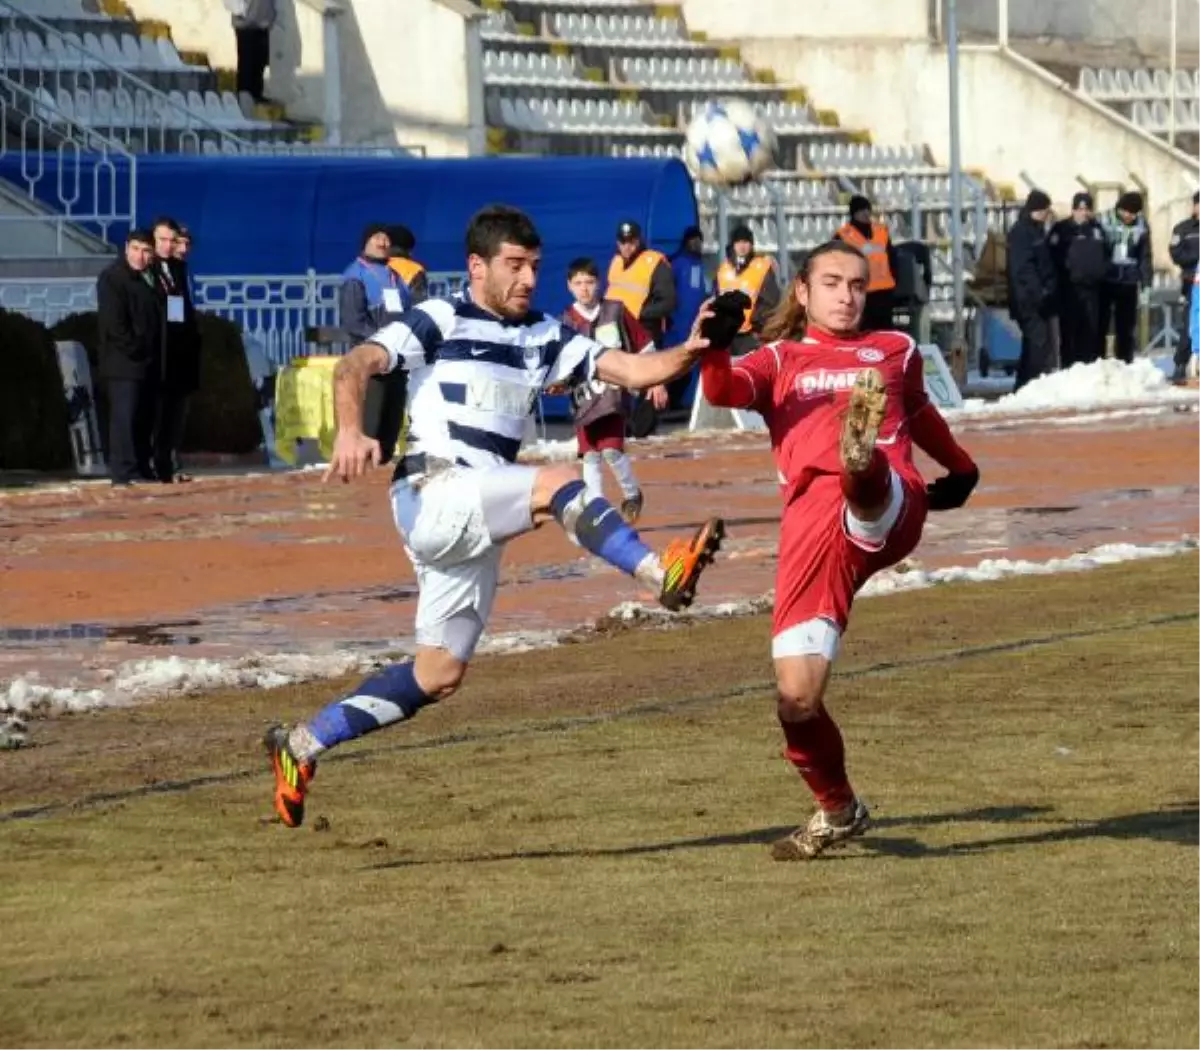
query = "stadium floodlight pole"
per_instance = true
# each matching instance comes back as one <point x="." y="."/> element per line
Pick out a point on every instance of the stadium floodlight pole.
<point x="722" y="222"/>
<point x="958" y="344"/>
<point x="1174" y="66"/>
<point x="1002" y="22"/>
<point x="783" y="254"/>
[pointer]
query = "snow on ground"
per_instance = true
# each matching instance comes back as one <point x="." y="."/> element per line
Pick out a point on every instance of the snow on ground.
<point x="1085" y="388"/>
<point x="141" y="680"/>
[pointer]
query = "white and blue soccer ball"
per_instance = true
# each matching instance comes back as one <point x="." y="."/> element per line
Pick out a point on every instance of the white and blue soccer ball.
<point x="729" y="143"/>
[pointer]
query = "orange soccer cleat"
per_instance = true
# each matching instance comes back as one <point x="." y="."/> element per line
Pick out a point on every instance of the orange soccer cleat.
<point x="292" y="777"/>
<point x="684" y="560"/>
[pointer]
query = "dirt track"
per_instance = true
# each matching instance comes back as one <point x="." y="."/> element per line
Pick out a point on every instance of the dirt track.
<point x="283" y="563"/>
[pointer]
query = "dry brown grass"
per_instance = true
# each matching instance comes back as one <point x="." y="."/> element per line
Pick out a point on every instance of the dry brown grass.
<point x="505" y="872"/>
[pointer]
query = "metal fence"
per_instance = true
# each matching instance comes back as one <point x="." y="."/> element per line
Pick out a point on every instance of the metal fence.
<point x="277" y="311"/>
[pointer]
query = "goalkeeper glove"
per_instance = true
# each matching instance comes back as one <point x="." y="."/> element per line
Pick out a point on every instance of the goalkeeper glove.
<point x="729" y="314"/>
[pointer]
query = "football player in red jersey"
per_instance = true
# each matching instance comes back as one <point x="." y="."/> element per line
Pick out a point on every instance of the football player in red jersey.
<point x="843" y="410"/>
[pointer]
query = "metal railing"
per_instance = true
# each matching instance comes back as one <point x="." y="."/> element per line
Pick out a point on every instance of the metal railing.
<point x="65" y="165"/>
<point x="278" y="310"/>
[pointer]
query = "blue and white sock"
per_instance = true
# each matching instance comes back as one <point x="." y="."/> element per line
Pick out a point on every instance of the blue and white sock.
<point x="391" y="695"/>
<point x="598" y="528"/>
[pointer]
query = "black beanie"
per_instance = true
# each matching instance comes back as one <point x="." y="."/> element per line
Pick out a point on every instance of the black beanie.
<point x="403" y="239"/>
<point x="741" y="233"/>
<point x="370" y="230"/>
<point x="1082" y="200"/>
<point x="858" y="203"/>
<point x="1037" y="201"/>
<point x="1131" y="202"/>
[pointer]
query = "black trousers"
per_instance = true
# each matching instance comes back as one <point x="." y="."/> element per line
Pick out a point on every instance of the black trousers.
<point x="1183" y="349"/>
<point x="1037" y="349"/>
<point x="169" y="424"/>
<point x="253" y="57"/>
<point x="132" y="412"/>
<point x="877" y="313"/>
<point x="1079" y="325"/>
<point x="1118" y="307"/>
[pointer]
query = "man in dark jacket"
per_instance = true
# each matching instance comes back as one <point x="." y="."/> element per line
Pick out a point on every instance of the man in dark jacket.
<point x="643" y="280"/>
<point x="130" y="319"/>
<point x="1080" y="263"/>
<point x="1185" y="253"/>
<point x="1130" y="269"/>
<point x="181" y="350"/>
<point x="372" y="293"/>
<point x="1031" y="288"/>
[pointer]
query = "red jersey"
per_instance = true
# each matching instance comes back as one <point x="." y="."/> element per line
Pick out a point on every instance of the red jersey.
<point x="801" y="388"/>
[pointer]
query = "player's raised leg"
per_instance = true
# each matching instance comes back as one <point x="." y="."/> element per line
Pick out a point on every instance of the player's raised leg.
<point x="596" y="525"/>
<point x="866" y="474"/>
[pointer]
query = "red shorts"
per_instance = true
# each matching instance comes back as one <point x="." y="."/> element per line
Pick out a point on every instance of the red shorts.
<point x="821" y="567"/>
<point x="605" y="432"/>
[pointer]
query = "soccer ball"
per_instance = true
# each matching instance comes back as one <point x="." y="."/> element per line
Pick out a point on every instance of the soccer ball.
<point x="728" y="143"/>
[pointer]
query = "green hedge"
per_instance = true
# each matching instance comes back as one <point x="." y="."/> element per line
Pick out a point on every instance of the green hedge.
<point x="33" y="408"/>
<point x="222" y="414"/>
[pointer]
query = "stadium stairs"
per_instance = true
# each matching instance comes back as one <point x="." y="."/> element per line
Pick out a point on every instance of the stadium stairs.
<point x="623" y="78"/>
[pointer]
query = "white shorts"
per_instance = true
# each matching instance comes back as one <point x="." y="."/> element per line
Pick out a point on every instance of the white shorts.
<point x="454" y="528"/>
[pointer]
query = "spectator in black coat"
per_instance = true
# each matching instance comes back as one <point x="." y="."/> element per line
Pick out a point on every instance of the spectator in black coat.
<point x="1032" y="288"/>
<point x="130" y="316"/>
<point x="1080" y="260"/>
<point x="1130" y="271"/>
<point x="181" y="350"/>
<point x="1185" y="253"/>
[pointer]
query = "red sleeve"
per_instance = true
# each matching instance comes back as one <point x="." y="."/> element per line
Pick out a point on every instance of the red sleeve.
<point x="915" y="397"/>
<point x="746" y="384"/>
<point x="640" y="341"/>
<point x="928" y="428"/>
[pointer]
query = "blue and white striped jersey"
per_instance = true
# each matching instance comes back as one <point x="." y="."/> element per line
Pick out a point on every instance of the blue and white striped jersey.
<point x="474" y="378"/>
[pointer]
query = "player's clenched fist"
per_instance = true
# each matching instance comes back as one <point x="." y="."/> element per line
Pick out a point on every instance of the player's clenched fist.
<point x="353" y="455"/>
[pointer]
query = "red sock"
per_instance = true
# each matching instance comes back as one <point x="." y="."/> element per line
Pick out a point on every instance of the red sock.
<point x="815" y="748"/>
<point x="869" y="488"/>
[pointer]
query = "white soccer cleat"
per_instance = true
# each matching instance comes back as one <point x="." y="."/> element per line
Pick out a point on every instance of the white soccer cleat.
<point x="823" y="831"/>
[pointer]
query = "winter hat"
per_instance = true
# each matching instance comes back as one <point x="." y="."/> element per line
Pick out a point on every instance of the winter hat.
<point x="741" y="233"/>
<point x="370" y="230"/>
<point x="1131" y="202"/>
<point x="858" y="203"/>
<point x="1082" y="200"/>
<point x="1037" y="201"/>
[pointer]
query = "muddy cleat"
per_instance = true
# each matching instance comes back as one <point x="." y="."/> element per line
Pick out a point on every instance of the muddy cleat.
<point x="684" y="560"/>
<point x="631" y="509"/>
<point x="291" y="777"/>
<point x="863" y="418"/>
<point x="823" y="831"/>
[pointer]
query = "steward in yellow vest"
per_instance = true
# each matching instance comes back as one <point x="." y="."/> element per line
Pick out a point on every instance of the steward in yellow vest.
<point x="871" y="238"/>
<point x="401" y="262"/>
<point x="744" y="271"/>
<point x="641" y="279"/>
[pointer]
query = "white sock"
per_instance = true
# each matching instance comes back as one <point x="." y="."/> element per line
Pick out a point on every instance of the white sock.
<point x="622" y="468"/>
<point x="593" y="475"/>
<point x="303" y="745"/>
<point x="650" y="572"/>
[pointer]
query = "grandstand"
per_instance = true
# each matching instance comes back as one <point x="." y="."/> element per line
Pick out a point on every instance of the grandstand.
<point x="624" y="79"/>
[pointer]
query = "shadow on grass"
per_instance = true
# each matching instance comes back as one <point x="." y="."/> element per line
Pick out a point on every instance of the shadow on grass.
<point x="1176" y="823"/>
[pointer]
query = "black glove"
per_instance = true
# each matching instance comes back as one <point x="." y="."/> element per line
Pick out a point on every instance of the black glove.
<point x="952" y="491"/>
<point x="729" y="314"/>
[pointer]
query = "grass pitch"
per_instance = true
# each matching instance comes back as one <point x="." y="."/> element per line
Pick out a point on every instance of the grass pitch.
<point x="573" y="852"/>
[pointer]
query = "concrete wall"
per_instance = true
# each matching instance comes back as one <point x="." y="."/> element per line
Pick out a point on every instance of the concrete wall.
<point x="828" y="19"/>
<point x="1014" y="118"/>
<point x="1143" y="26"/>
<point x="403" y="64"/>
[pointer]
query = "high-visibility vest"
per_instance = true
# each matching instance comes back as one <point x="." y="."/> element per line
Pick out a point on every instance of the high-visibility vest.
<point x="408" y="270"/>
<point x="631" y="284"/>
<point x="750" y="281"/>
<point x="879" y="274"/>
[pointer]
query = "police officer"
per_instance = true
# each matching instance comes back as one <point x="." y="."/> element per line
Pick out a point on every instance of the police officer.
<point x="1130" y="269"/>
<point x="1031" y="288"/>
<point x="745" y="271"/>
<point x="1080" y="262"/>
<point x="1185" y="253"/>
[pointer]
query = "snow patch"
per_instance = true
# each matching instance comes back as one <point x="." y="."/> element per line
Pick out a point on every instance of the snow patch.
<point x="140" y="680"/>
<point x="1084" y="387"/>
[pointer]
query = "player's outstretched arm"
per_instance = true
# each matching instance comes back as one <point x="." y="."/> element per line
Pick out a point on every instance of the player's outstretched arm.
<point x="353" y="451"/>
<point x="642" y="371"/>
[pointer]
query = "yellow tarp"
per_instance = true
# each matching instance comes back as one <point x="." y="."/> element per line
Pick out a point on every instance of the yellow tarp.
<point x="304" y="406"/>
